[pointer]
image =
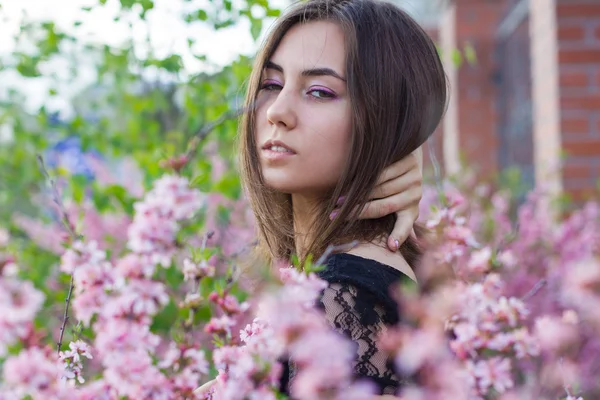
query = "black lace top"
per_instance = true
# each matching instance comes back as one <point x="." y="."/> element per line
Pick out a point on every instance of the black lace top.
<point x="358" y="304"/>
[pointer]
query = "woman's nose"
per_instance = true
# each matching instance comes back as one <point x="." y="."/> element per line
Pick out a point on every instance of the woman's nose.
<point x="281" y="111"/>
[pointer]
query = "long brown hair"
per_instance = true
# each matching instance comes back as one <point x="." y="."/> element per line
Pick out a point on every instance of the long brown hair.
<point x="397" y="89"/>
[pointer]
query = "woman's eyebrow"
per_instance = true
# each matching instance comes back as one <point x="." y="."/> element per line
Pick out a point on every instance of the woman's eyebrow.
<point x="307" y="72"/>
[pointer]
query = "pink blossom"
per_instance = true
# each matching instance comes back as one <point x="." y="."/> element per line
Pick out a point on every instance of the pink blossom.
<point x="156" y="222"/>
<point x="72" y="360"/>
<point x="324" y="364"/>
<point x="220" y="325"/>
<point x="229" y="303"/>
<point x="37" y="373"/>
<point x="93" y="281"/>
<point x="495" y="372"/>
<point x="553" y="333"/>
<point x="524" y="344"/>
<point x="425" y="347"/>
<point x="511" y="310"/>
<point x="140" y="298"/>
<point x="507" y="259"/>
<point x="88" y="303"/>
<point x="193" y="270"/>
<point x="135" y="377"/>
<point x="77" y="350"/>
<point x="460" y="234"/>
<point x="468" y="340"/>
<point x="20" y="301"/>
<point x="581" y="283"/>
<point x="96" y="390"/>
<point x="134" y="266"/>
<point x="117" y="336"/>
<point x="81" y="255"/>
<point x="480" y="260"/>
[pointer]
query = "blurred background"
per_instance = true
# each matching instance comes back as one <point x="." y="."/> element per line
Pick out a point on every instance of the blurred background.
<point x="105" y="89"/>
<point x="528" y="109"/>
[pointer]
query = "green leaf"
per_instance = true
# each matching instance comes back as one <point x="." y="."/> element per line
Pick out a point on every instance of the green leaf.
<point x="255" y="28"/>
<point x="229" y="186"/>
<point x="127" y="4"/>
<point x="470" y="54"/>
<point x="122" y="196"/>
<point x="273" y="12"/>
<point x="28" y="66"/>
<point x="147" y="5"/>
<point x="79" y="183"/>
<point x="201" y="15"/>
<point x="457" y="58"/>
<point x="165" y="319"/>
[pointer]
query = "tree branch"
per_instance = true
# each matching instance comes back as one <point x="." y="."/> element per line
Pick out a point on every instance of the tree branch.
<point x="206" y="129"/>
<point x="64" y="218"/>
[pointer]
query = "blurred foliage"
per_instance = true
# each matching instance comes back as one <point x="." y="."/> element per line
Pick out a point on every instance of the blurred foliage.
<point x="140" y="105"/>
<point x="124" y="112"/>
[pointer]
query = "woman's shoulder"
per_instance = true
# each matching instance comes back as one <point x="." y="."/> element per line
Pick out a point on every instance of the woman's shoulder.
<point x="371" y="260"/>
<point x="361" y="285"/>
<point x="354" y="267"/>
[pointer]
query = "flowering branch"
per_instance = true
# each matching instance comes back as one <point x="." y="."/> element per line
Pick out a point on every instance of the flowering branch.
<point x="206" y="129"/>
<point x="538" y="286"/>
<point x="56" y="197"/>
<point x="64" y="217"/>
<point x="196" y="275"/>
<point x="178" y="162"/>
<point x="66" y="314"/>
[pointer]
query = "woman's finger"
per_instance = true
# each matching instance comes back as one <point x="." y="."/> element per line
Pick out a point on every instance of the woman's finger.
<point x="397" y="185"/>
<point x="391" y="204"/>
<point x="403" y="228"/>
<point x="399" y="168"/>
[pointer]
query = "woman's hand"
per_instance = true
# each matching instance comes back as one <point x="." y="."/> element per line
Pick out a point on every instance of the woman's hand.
<point x="399" y="189"/>
<point x="205" y="388"/>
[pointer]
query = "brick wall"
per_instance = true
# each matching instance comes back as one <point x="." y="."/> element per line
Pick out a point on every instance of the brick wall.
<point x="471" y="125"/>
<point x="578" y="39"/>
<point x="564" y="57"/>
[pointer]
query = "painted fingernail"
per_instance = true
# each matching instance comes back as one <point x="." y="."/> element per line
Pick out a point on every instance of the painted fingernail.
<point x="333" y="214"/>
<point x="397" y="243"/>
<point x="340" y="200"/>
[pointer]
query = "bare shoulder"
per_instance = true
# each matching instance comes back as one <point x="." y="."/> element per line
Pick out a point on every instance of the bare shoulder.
<point x="381" y="254"/>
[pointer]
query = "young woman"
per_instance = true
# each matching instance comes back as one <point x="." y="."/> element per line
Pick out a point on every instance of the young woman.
<point x="341" y="89"/>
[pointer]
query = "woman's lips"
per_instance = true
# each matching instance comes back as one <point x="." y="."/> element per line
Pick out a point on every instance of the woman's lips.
<point x="273" y="155"/>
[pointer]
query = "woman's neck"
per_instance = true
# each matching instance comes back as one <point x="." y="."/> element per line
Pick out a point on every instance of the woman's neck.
<point x="304" y="210"/>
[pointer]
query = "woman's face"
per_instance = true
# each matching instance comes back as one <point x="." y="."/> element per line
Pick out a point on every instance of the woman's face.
<point x="303" y="119"/>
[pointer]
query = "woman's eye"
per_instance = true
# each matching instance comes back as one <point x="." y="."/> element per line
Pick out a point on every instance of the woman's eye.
<point x="270" y="85"/>
<point x="321" y="94"/>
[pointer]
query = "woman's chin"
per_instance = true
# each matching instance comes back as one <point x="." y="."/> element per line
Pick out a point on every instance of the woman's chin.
<point x="280" y="186"/>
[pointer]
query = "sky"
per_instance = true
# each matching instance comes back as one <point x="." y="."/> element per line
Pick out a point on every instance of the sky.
<point x="168" y="34"/>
